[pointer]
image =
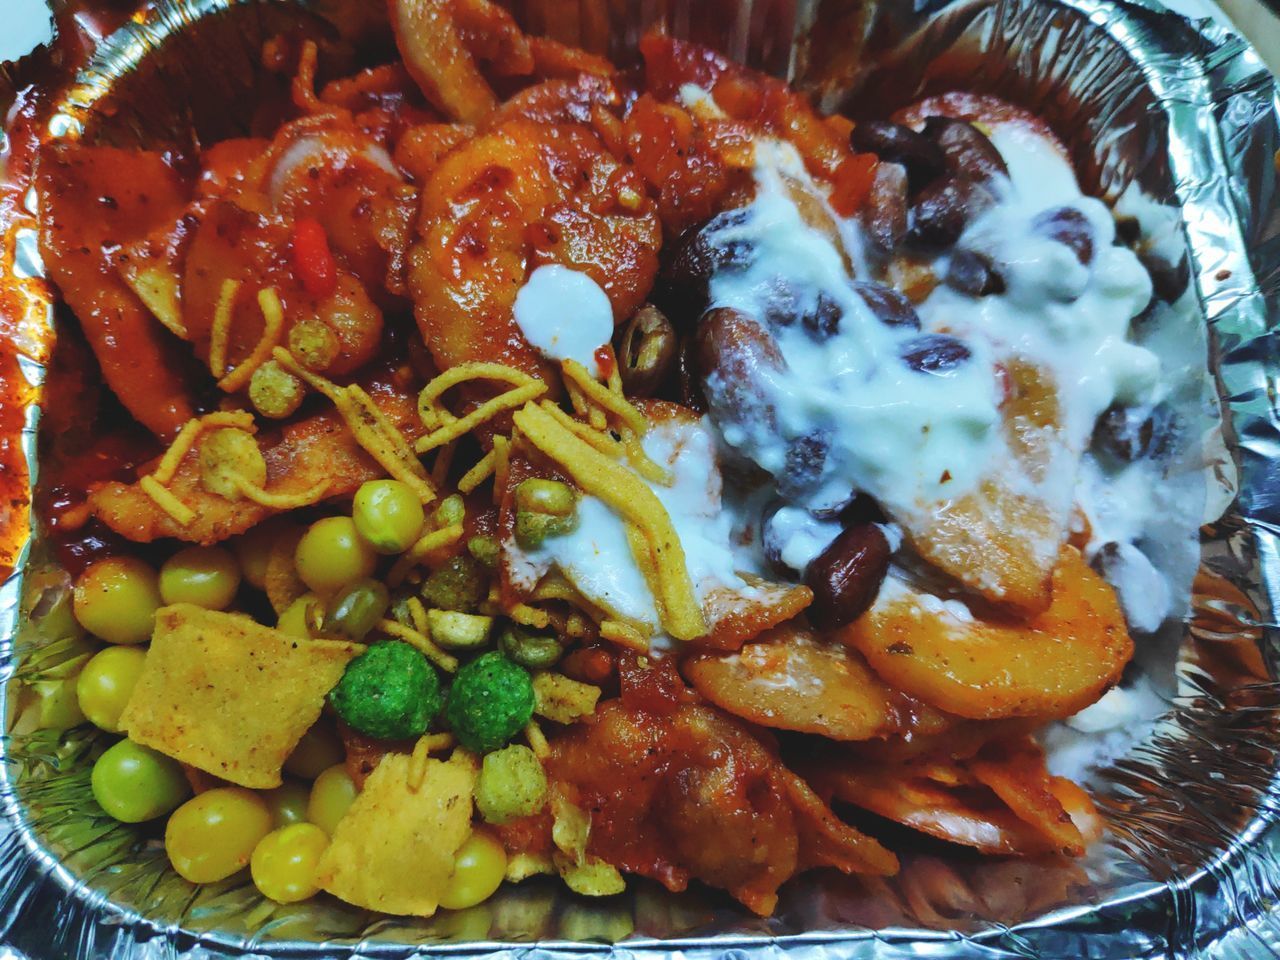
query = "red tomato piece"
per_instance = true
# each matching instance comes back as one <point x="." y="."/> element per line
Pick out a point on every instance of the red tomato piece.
<point x="313" y="260"/>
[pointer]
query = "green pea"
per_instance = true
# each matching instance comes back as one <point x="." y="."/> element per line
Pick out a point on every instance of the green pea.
<point x="533" y="528"/>
<point x="106" y="683"/>
<point x="332" y="554"/>
<point x="457" y="585"/>
<point x="287" y="803"/>
<point x="452" y="511"/>
<point x="388" y="515"/>
<point x="356" y="610"/>
<point x="117" y="599"/>
<point x="206" y="576"/>
<point x="533" y="651"/>
<point x="318" y="750"/>
<point x="552" y="497"/>
<point x="133" y="783"/>
<point x="485" y="550"/>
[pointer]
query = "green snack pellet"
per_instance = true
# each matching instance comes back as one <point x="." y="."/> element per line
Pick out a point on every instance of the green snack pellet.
<point x="389" y="692"/>
<point x="490" y="702"/>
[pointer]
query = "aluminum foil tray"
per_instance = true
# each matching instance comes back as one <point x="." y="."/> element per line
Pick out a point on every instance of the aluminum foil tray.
<point x="1184" y="112"/>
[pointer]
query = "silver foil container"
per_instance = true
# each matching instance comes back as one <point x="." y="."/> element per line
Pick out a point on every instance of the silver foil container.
<point x="1187" y="113"/>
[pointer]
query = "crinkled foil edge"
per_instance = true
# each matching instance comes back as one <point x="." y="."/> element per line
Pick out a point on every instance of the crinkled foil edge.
<point x="1216" y="884"/>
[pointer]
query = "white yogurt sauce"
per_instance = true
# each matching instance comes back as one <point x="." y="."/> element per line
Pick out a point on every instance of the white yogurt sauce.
<point x="564" y="315"/>
<point x="596" y="557"/>
<point x="1102" y="732"/>
<point x="1069" y="317"/>
<point x="901" y="435"/>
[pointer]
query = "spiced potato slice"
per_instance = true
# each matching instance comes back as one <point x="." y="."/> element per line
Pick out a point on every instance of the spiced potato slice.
<point x="791" y="679"/>
<point x="1049" y="666"/>
<point x="92" y="200"/>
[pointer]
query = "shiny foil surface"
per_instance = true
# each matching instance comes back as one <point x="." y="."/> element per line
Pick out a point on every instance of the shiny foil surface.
<point x="1146" y="100"/>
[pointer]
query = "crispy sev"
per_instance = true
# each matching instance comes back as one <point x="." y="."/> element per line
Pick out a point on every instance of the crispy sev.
<point x="415" y="638"/>
<point x="282" y="501"/>
<point x="371" y="429"/>
<point x="478" y="474"/>
<point x="623" y="491"/>
<point x="166" y="501"/>
<point x="220" y="332"/>
<point x="441" y="423"/>
<point x="273" y="317"/>
<point x="604" y="398"/>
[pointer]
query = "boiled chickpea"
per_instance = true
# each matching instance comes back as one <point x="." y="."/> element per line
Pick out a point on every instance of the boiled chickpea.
<point x="117" y="598"/>
<point x="287" y="803"/>
<point x="479" y="867"/>
<point x="206" y="576"/>
<point x="317" y="751"/>
<point x="213" y="835"/>
<point x="331" y="797"/>
<point x="284" y="862"/>
<point x="133" y="783"/>
<point x="388" y="515"/>
<point x="106" y="683"/>
<point x="253" y="549"/>
<point x="332" y="554"/>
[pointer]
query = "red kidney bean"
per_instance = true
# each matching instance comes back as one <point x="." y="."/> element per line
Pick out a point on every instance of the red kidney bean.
<point x="889" y="306"/>
<point x="770" y="544"/>
<point x="696" y="255"/>
<point x="688" y="376"/>
<point x="1168" y="280"/>
<point x="968" y="151"/>
<point x="939" y="214"/>
<point x="971" y="272"/>
<point x="1069" y="226"/>
<point x="892" y="142"/>
<point x="847" y="575"/>
<point x="934" y="353"/>
<point x="784" y="308"/>
<point x="733" y="350"/>
<point x="802" y="466"/>
<point x="1127" y="434"/>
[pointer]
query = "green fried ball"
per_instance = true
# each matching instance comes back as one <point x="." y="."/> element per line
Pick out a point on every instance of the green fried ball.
<point x="389" y="692"/>
<point x="490" y="702"/>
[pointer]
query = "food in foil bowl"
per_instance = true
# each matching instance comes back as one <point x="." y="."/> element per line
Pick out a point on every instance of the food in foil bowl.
<point x="704" y="478"/>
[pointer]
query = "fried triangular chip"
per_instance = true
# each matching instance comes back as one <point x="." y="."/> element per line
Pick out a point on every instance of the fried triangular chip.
<point x="228" y="695"/>
<point x="393" y="851"/>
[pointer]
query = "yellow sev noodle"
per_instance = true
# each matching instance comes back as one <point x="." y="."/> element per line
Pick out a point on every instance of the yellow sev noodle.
<point x="220" y="332"/>
<point x="371" y="429"/>
<point x="273" y="316"/>
<point x="155" y="485"/>
<point x="166" y="501"/>
<point x="628" y="496"/>
<point x="393" y="628"/>
<point x="604" y="398"/>
<point x="445" y="427"/>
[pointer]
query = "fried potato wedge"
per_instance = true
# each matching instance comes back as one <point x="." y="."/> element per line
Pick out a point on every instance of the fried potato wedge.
<point x="791" y="680"/>
<point x="1002" y="539"/>
<point x="306" y="452"/>
<point x="1050" y="666"/>
<point x="91" y="200"/>
<point x="958" y="814"/>
<point x="1020" y="780"/>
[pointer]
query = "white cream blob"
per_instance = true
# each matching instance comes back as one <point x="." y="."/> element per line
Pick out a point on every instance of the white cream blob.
<point x="564" y="315"/>
<point x="596" y="557"/>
